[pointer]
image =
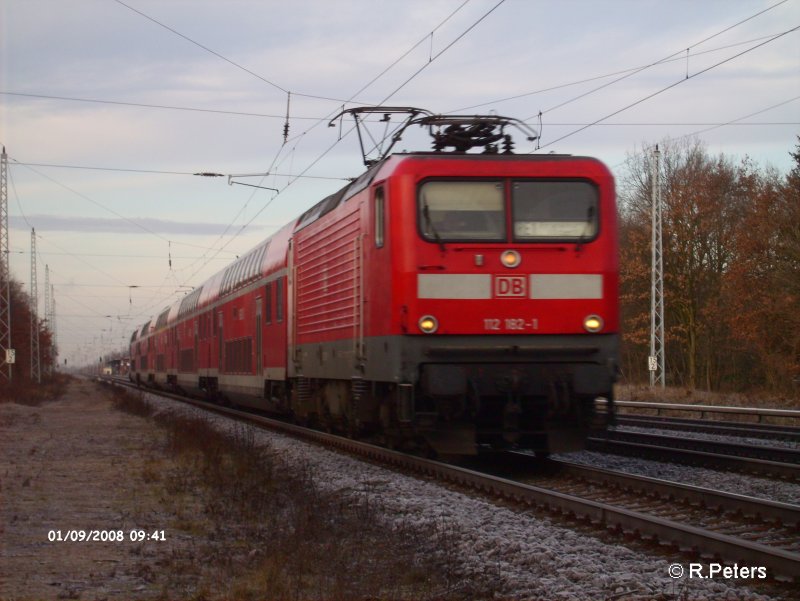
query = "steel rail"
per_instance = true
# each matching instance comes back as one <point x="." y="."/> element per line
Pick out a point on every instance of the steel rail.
<point x="725" y="428"/>
<point x="782" y="564"/>
<point x="734" y="449"/>
<point x="766" y="510"/>
<point x="756" y="412"/>
<point x="758" y="467"/>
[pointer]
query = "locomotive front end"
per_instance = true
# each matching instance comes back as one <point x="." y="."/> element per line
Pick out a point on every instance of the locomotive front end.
<point x="510" y="309"/>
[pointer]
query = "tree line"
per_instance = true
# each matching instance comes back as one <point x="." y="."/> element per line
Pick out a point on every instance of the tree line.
<point x="731" y="252"/>
<point x="21" y="315"/>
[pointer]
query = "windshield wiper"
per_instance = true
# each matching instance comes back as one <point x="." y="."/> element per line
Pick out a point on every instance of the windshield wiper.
<point x="429" y="224"/>
<point x="584" y="235"/>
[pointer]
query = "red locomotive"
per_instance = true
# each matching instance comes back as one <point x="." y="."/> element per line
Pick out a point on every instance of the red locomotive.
<point x="443" y="300"/>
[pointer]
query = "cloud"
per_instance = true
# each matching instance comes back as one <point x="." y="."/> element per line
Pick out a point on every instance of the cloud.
<point x="95" y="225"/>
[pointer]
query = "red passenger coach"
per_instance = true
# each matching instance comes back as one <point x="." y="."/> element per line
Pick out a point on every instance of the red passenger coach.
<point x="444" y="301"/>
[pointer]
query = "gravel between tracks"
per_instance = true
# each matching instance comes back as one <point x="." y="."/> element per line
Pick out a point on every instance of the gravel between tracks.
<point x="69" y="464"/>
<point x="759" y="442"/>
<point x="528" y="555"/>
<point x="733" y="482"/>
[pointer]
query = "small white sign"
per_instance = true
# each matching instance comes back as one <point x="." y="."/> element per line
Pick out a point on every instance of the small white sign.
<point x="11" y="356"/>
<point x="652" y="364"/>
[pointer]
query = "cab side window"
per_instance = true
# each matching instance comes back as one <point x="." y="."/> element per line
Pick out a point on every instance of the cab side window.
<point x="380" y="217"/>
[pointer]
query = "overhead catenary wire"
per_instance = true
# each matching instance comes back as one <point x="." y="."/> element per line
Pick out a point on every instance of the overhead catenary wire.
<point x="105" y="208"/>
<point x="629" y="70"/>
<point x="731" y="122"/>
<point x="199" y="45"/>
<point x="105" y="273"/>
<point x="225" y="58"/>
<point x="714" y="126"/>
<point x="599" y="77"/>
<point x="388" y="97"/>
<point x="152" y="171"/>
<point x="678" y="53"/>
<point x="363" y="88"/>
<point x="152" y="106"/>
<point x="670" y="86"/>
<point x="314" y="162"/>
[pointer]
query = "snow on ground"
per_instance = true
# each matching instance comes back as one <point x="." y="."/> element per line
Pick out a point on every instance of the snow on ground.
<point x="527" y="555"/>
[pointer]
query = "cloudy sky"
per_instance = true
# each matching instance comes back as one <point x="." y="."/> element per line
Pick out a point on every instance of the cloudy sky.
<point x="107" y="108"/>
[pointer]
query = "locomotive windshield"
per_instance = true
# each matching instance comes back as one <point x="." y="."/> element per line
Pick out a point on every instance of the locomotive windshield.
<point x="475" y="211"/>
<point x="462" y="211"/>
<point x="560" y="210"/>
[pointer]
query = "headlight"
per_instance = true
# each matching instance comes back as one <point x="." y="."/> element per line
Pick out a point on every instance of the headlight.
<point x="428" y="324"/>
<point x="510" y="258"/>
<point x="593" y="323"/>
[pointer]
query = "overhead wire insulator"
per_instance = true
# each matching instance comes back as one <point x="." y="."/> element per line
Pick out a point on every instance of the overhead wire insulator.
<point x="286" y="124"/>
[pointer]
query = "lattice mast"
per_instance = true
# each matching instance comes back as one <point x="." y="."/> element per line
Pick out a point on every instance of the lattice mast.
<point x="5" y="273"/>
<point x="53" y="337"/>
<point x="36" y="363"/>
<point x="656" y="358"/>
<point x="48" y="317"/>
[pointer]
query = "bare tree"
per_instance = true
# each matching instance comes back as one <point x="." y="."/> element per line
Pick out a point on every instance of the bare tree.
<point x="731" y="257"/>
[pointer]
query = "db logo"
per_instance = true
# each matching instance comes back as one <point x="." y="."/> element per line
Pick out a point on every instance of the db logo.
<point x="510" y="286"/>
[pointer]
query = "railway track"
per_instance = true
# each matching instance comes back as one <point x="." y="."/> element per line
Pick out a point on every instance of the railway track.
<point x="733" y="429"/>
<point x="781" y="563"/>
<point x="770" y="461"/>
<point x="769" y="523"/>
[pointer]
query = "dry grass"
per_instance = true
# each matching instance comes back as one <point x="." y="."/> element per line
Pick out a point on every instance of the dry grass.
<point x="670" y="394"/>
<point x="26" y="392"/>
<point x="686" y="396"/>
<point x="265" y="530"/>
<point x="132" y="402"/>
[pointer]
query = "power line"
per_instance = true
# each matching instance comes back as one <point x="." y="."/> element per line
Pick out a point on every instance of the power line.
<point x="672" y="85"/>
<point x="662" y="61"/>
<point x="631" y="70"/>
<point x="726" y="124"/>
<point x="410" y="50"/>
<point x="105" y="208"/>
<point x="299" y="137"/>
<point x="315" y="161"/>
<point x="226" y="59"/>
<point x="150" y="106"/>
<point x="206" y="48"/>
<point x="443" y="50"/>
<point x="153" y="171"/>
<point x="106" y="255"/>
<point x="120" y="285"/>
<point x="735" y="121"/>
<point x="77" y="258"/>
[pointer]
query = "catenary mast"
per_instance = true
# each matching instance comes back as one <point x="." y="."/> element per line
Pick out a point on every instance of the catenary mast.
<point x="5" y="275"/>
<point x="656" y="359"/>
<point x="36" y="367"/>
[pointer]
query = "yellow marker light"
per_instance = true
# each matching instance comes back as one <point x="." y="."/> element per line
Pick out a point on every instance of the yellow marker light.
<point x="428" y="324"/>
<point x="593" y="323"/>
<point x="510" y="258"/>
